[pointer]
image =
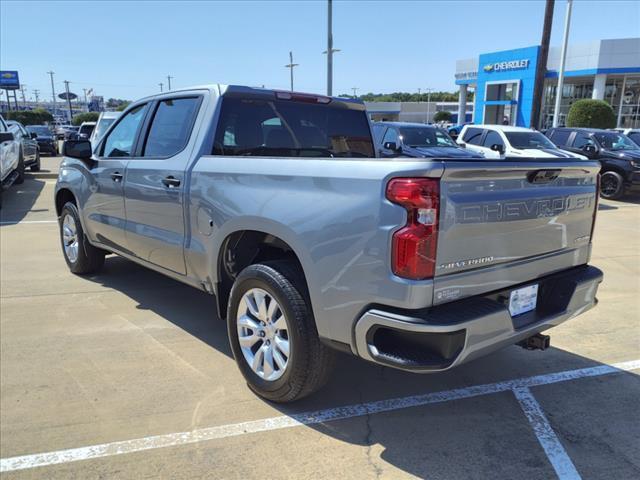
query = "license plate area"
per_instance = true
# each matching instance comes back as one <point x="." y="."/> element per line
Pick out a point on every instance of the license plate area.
<point x="523" y="300"/>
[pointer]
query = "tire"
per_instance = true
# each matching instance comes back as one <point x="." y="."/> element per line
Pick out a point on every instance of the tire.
<point x="87" y="258"/>
<point x="611" y="185"/>
<point x="36" y="166"/>
<point x="20" y="170"/>
<point x="308" y="363"/>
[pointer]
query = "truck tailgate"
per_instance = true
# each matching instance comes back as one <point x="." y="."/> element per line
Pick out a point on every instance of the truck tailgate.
<point x="506" y="222"/>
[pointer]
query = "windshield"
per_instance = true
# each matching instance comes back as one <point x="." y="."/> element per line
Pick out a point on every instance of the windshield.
<point x="615" y="141"/>
<point x="534" y="140"/>
<point x="39" y="130"/>
<point x="291" y="129"/>
<point x="425" y="137"/>
<point x="102" y="127"/>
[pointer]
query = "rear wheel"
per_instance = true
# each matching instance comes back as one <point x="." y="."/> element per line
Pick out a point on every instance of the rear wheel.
<point x="80" y="255"/>
<point x="20" y="170"/>
<point x="611" y="185"/>
<point x="36" y="166"/>
<point x="273" y="334"/>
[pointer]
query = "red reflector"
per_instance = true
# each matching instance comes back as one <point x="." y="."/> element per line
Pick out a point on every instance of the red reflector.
<point x="413" y="250"/>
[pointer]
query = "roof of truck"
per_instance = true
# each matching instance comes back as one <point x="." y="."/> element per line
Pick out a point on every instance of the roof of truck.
<point x="502" y="128"/>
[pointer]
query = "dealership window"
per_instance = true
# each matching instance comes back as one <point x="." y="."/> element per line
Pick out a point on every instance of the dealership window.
<point x="629" y="108"/>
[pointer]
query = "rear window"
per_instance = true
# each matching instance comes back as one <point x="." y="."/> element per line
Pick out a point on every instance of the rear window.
<point x="257" y="127"/>
<point x="472" y="136"/>
<point x="86" y="129"/>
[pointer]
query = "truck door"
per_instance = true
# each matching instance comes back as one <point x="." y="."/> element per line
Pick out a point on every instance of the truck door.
<point x="103" y="211"/>
<point x="155" y="183"/>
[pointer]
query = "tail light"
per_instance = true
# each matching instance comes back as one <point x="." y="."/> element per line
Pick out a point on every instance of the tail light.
<point x="413" y="251"/>
<point x="595" y="208"/>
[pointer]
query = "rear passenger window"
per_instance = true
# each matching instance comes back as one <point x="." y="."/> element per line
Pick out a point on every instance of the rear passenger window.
<point x="171" y="127"/>
<point x="560" y="137"/>
<point x="472" y="136"/>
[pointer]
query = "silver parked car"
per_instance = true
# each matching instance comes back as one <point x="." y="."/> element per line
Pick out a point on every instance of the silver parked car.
<point x="274" y="202"/>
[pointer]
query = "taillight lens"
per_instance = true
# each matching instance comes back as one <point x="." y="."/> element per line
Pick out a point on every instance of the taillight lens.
<point x="413" y="250"/>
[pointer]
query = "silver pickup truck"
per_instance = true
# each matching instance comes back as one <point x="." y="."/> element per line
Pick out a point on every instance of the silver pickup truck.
<point x="275" y="203"/>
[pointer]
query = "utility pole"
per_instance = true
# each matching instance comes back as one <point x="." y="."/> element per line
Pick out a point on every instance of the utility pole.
<point x="541" y="66"/>
<point x="36" y="93"/>
<point x="66" y="87"/>
<point x="290" y="67"/>
<point x="169" y="77"/>
<point x="355" y="91"/>
<point x="429" y="90"/>
<point x="86" y="104"/>
<point x="24" y="99"/>
<point x="53" y="93"/>
<point x="160" y="86"/>
<point x="330" y="50"/>
<point x="563" y="57"/>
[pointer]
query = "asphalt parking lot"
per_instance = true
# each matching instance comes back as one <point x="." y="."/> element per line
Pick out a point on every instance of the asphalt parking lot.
<point x="128" y="374"/>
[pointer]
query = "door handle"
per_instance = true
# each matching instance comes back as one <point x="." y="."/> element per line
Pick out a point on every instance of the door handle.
<point x="116" y="176"/>
<point x="171" y="181"/>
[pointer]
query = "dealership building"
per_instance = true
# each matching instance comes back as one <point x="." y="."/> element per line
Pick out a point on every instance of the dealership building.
<point x="503" y="82"/>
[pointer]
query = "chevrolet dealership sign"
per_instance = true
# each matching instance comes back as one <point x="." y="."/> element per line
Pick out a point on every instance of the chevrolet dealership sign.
<point x="509" y="65"/>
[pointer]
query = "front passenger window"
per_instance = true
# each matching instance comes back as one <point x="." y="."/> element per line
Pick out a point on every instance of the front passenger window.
<point x="493" y="138"/>
<point x="119" y="142"/>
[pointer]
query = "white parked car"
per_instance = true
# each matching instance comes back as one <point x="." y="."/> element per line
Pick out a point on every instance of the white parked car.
<point x="102" y="125"/>
<point x="11" y="165"/>
<point x="501" y="141"/>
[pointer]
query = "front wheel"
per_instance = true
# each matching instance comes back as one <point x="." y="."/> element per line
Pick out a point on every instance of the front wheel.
<point x="611" y="185"/>
<point x="273" y="334"/>
<point x="80" y="255"/>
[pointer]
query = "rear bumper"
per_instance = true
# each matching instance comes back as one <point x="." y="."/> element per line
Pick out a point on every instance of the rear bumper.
<point x="445" y="336"/>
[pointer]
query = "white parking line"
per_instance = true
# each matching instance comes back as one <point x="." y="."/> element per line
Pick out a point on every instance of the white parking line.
<point x="26" y="222"/>
<point x="562" y="464"/>
<point x="310" y="418"/>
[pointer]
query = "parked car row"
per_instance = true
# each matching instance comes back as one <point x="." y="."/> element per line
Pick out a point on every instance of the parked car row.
<point x="616" y="150"/>
<point x="11" y="162"/>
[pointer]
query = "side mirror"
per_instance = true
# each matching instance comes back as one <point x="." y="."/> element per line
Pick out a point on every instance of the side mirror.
<point x="6" y="137"/>
<point x="497" y="148"/>
<point x="80" y="149"/>
<point x="461" y="145"/>
<point x="33" y="135"/>
<point x="391" y="146"/>
<point x="590" y="149"/>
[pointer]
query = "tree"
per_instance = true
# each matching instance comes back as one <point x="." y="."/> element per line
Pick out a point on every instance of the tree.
<point x="122" y="106"/>
<point x="85" y="117"/>
<point x="37" y="116"/>
<point x="591" y="113"/>
<point x="442" y="116"/>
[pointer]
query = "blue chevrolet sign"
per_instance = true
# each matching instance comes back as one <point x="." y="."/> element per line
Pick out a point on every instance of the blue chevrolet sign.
<point x="9" y="80"/>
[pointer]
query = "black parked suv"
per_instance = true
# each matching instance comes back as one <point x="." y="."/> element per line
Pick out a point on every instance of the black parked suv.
<point x="619" y="156"/>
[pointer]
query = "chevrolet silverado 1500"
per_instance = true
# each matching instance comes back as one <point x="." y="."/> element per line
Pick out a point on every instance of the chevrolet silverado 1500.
<point x="275" y="203"/>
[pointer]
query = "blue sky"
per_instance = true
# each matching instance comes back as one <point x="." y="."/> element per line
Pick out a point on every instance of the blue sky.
<point x="124" y="49"/>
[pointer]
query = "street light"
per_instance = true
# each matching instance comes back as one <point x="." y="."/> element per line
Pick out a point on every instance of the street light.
<point x="330" y="50"/>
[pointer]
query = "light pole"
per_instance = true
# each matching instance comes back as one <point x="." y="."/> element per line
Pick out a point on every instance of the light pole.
<point x="53" y="93"/>
<point x="169" y="77"/>
<point x="160" y="86"/>
<point x="86" y="104"/>
<point x="563" y="57"/>
<point x="290" y="67"/>
<point x="330" y="50"/>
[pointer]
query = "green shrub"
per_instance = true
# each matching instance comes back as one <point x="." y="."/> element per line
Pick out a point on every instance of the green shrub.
<point x="442" y="116"/>
<point x="85" y="117"/>
<point x="37" y="116"/>
<point x="591" y="113"/>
